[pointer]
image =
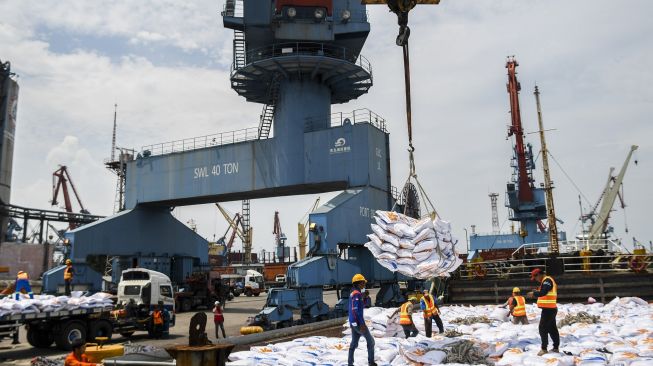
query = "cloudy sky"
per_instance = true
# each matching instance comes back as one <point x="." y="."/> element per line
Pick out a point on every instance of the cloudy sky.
<point x="166" y="65"/>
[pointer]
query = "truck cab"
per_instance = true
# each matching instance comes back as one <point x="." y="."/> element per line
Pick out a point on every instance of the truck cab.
<point x="146" y="288"/>
<point x="254" y="283"/>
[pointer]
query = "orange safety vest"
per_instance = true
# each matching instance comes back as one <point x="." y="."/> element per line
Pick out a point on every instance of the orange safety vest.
<point x="22" y="276"/>
<point x="520" y="309"/>
<point x="404" y="317"/>
<point x="157" y="317"/>
<point x="71" y="360"/>
<point x="430" y="306"/>
<point x="549" y="300"/>
<point x="68" y="273"/>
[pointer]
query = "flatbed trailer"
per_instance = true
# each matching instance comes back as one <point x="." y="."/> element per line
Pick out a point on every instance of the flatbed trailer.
<point x="64" y="326"/>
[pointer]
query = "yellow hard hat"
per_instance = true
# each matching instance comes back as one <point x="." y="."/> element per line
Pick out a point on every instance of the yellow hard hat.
<point x="358" y="278"/>
<point x="68" y="261"/>
<point x="412" y="298"/>
<point x="21" y="272"/>
<point x="516" y="289"/>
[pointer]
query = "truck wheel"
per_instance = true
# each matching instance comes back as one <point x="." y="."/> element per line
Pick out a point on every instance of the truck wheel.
<point x="257" y="293"/>
<point x="186" y="306"/>
<point x="248" y="292"/>
<point x="127" y="334"/>
<point x="39" y="338"/>
<point x="99" y="328"/>
<point x="68" y="333"/>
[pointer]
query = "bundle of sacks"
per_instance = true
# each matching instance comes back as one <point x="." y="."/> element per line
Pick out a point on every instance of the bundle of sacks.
<point x="416" y="248"/>
<point x="46" y="303"/>
<point x="622" y="336"/>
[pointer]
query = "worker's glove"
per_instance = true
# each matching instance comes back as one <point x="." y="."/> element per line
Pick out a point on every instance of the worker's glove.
<point x="441" y="298"/>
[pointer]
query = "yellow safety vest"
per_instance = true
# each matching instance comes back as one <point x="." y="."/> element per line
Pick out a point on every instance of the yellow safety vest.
<point x="68" y="273"/>
<point x="404" y="317"/>
<point x="430" y="306"/>
<point x="549" y="300"/>
<point x="520" y="309"/>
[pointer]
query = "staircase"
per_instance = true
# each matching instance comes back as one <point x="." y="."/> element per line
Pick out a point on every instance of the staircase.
<point x="267" y="114"/>
<point x="239" y="50"/>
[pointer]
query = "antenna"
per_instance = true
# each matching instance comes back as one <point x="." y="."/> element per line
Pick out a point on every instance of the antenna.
<point x="113" y="139"/>
<point x="495" y="213"/>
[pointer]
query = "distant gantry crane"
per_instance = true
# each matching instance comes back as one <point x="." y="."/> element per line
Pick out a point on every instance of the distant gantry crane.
<point x="302" y="229"/>
<point x="60" y="181"/>
<point x="279" y="239"/>
<point x="495" y="212"/>
<point x="237" y="229"/>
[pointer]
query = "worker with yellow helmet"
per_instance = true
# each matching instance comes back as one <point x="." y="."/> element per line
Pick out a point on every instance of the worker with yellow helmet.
<point x="357" y="321"/>
<point x="517" y="307"/>
<point x="406" y="317"/>
<point x="68" y="274"/>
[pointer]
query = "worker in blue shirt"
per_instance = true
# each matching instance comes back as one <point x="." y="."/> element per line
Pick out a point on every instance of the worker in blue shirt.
<point x="357" y="322"/>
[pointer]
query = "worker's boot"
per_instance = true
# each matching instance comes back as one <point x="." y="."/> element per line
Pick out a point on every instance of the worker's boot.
<point x="555" y="350"/>
<point x="542" y="352"/>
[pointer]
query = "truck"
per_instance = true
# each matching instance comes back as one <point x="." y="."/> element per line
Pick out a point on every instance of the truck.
<point x="139" y="291"/>
<point x="201" y="289"/>
<point x="254" y="283"/>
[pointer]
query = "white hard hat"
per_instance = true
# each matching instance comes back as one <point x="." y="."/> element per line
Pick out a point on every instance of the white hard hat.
<point x="217" y="303"/>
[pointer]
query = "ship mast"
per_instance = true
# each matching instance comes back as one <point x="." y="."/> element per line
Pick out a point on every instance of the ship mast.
<point x="548" y="187"/>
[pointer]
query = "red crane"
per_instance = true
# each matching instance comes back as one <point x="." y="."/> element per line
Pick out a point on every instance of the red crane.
<point x="60" y="180"/>
<point x="524" y="184"/>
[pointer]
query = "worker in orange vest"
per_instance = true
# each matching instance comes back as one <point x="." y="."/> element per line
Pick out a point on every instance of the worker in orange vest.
<point x="77" y="356"/>
<point x="68" y="276"/>
<point x="517" y="307"/>
<point x="22" y="285"/>
<point x="157" y="321"/>
<point x="547" y="298"/>
<point x="406" y="317"/>
<point x="431" y="312"/>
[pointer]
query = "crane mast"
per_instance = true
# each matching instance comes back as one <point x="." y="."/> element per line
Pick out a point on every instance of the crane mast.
<point x="548" y="186"/>
<point x="516" y="129"/>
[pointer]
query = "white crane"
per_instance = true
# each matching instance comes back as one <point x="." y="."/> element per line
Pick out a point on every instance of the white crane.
<point x="598" y="229"/>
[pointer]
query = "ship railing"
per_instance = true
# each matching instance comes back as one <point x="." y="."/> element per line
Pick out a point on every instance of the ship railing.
<point x="570" y="246"/>
<point x="233" y="8"/>
<point x="201" y="142"/>
<point x="306" y="49"/>
<point x="337" y="119"/>
<point x="521" y="268"/>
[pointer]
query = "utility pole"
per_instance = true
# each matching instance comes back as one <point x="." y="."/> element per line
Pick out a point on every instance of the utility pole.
<point x="548" y="187"/>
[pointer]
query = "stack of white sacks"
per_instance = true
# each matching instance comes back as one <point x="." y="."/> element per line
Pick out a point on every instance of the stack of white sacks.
<point x="416" y="248"/>
<point x="623" y="336"/>
<point x="45" y="303"/>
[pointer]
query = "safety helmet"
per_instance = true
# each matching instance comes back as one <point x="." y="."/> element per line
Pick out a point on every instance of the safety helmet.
<point x="412" y="299"/>
<point x="68" y="261"/>
<point x="515" y="290"/>
<point x="20" y="272"/>
<point x="358" y="278"/>
<point x="217" y="303"/>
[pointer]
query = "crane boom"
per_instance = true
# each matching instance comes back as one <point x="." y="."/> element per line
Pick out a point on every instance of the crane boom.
<point x="611" y="191"/>
<point x="302" y="233"/>
<point x="60" y="181"/>
<point x="548" y="186"/>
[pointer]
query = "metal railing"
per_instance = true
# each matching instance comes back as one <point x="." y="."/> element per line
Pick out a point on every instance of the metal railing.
<point x="569" y="246"/>
<point x="337" y="119"/>
<point x="521" y="268"/>
<point x="233" y="8"/>
<point x="306" y="49"/>
<point x="201" y="142"/>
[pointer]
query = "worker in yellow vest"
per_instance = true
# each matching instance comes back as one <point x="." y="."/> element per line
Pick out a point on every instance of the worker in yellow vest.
<point x="22" y="285"/>
<point x="431" y="312"/>
<point x="517" y="307"/>
<point x="406" y="317"/>
<point x="547" y="296"/>
<point x="68" y="276"/>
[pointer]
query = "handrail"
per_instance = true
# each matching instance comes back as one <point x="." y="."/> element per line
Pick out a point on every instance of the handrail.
<point x="306" y="49"/>
<point x="337" y="119"/>
<point x="201" y="142"/>
<point x="576" y="245"/>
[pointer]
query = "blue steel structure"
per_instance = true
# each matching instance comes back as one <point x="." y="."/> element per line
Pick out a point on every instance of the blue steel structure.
<point x="297" y="64"/>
